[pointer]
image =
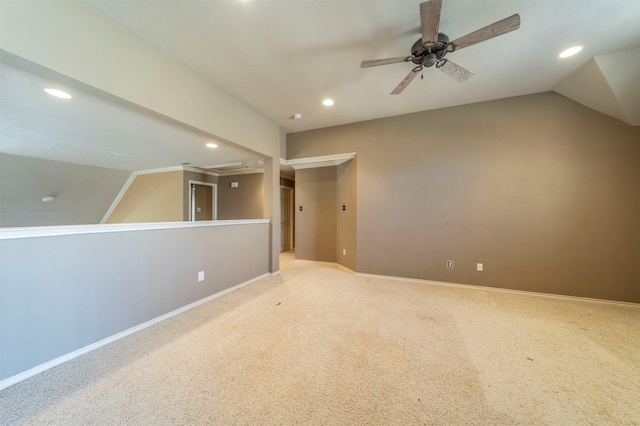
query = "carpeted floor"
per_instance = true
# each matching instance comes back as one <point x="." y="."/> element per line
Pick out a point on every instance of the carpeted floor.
<point x="318" y="345"/>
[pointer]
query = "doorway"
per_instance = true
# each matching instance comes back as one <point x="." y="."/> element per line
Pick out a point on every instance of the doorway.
<point x="203" y="201"/>
<point x="286" y="218"/>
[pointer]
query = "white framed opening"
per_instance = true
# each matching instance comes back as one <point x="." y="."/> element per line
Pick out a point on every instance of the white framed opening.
<point x="203" y="201"/>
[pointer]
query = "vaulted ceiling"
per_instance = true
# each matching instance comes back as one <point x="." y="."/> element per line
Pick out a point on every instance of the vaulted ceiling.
<point x="284" y="57"/>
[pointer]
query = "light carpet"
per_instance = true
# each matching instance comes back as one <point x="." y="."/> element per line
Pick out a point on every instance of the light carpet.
<point x="321" y="346"/>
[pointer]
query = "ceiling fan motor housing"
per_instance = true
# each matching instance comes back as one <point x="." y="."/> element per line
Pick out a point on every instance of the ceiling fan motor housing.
<point x="429" y="56"/>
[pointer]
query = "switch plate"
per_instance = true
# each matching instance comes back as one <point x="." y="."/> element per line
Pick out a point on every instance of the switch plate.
<point x="201" y="276"/>
<point x="344" y="252"/>
<point x="479" y="267"/>
<point x="449" y="263"/>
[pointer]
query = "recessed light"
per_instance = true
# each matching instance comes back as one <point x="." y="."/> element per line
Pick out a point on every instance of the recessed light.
<point x="118" y="153"/>
<point x="58" y="93"/>
<point x="48" y="198"/>
<point x="297" y="116"/>
<point x="212" y="145"/>
<point x="327" y="102"/>
<point x="570" y="52"/>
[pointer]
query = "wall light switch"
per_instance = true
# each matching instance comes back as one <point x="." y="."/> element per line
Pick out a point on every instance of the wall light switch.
<point x="479" y="267"/>
<point x="201" y="276"/>
<point x="344" y="252"/>
<point x="234" y="184"/>
<point x="449" y="263"/>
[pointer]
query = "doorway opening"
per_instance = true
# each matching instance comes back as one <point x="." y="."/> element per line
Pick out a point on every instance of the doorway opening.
<point x="286" y="218"/>
<point x="203" y="201"/>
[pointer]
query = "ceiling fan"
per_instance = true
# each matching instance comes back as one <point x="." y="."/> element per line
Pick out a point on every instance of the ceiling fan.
<point x="431" y="49"/>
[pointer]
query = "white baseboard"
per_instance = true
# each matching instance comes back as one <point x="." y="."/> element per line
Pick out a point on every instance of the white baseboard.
<point x="64" y="358"/>
<point x="497" y="289"/>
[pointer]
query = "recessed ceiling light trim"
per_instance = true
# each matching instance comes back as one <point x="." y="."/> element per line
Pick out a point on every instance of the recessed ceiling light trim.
<point x="212" y="145"/>
<point x="327" y="102"/>
<point x="57" y="93"/>
<point x="570" y="52"/>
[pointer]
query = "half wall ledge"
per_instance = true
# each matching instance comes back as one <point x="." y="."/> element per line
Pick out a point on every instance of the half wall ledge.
<point x="45" y="231"/>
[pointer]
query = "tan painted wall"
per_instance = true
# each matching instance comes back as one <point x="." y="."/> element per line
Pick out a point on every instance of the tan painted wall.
<point x="243" y="202"/>
<point x="346" y="219"/>
<point x="154" y="197"/>
<point x="315" y="225"/>
<point x="543" y="191"/>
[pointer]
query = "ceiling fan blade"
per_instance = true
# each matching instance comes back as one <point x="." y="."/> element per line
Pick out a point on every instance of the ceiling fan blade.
<point x="496" y="29"/>
<point x="430" y="20"/>
<point x="377" y="62"/>
<point x="405" y="82"/>
<point x="455" y="71"/>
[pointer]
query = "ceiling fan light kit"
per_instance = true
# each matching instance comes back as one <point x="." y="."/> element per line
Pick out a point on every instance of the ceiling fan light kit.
<point x="433" y="46"/>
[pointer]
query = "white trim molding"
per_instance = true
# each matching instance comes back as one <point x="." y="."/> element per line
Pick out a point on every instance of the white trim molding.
<point x="48" y="231"/>
<point x="245" y="171"/>
<point x="322" y="161"/>
<point x="497" y="289"/>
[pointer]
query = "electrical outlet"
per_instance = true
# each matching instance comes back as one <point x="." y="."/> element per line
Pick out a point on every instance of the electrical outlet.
<point x="479" y="267"/>
<point x="201" y="276"/>
<point x="449" y="263"/>
<point x="344" y="252"/>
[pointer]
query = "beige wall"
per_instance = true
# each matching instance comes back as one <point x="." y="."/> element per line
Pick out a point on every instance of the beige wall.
<point x="543" y="191"/>
<point x="315" y="225"/>
<point x="154" y="197"/>
<point x="346" y="219"/>
<point x="243" y="202"/>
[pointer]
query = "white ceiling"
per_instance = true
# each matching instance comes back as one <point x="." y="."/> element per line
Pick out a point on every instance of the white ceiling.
<point x="284" y="57"/>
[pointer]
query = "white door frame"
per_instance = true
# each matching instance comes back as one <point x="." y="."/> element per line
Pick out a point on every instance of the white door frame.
<point x="192" y="199"/>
